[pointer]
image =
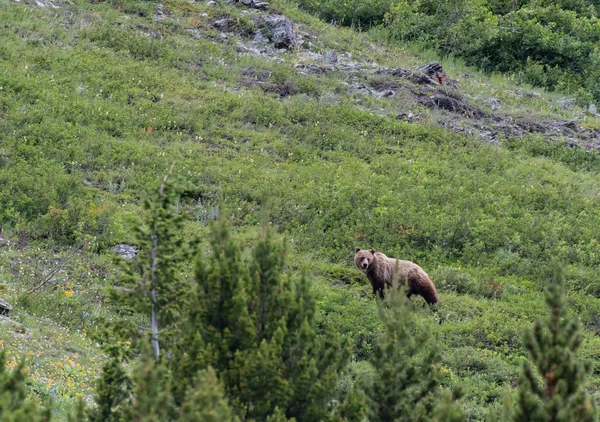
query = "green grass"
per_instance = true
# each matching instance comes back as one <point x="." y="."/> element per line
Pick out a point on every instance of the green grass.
<point x="94" y="111"/>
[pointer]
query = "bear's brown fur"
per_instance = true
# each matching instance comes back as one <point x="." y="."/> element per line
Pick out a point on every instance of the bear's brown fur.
<point x="381" y="270"/>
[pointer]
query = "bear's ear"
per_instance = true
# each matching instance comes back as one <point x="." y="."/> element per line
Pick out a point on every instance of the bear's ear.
<point x="357" y="249"/>
<point x="373" y="251"/>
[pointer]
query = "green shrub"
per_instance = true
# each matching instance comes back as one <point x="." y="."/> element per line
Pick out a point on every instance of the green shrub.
<point x="360" y="14"/>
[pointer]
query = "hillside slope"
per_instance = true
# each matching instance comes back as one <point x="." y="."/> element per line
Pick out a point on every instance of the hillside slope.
<point x="482" y="182"/>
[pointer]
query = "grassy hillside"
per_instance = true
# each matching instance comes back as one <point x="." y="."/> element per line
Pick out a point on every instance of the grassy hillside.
<point x="98" y="99"/>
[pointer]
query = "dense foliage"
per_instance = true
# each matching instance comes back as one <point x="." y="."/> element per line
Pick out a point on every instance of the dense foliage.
<point x="254" y="325"/>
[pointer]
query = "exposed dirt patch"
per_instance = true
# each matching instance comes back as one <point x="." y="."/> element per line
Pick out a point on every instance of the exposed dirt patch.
<point x="451" y="102"/>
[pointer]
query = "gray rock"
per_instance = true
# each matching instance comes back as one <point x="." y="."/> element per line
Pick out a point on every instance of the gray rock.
<point x="409" y="117"/>
<point x="259" y="38"/>
<point x="311" y="68"/>
<point x="495" y="103"/>
<point x="261" y="5"/>
<point x="125" y="251"/>
<point x="394" y="71"/>
<point x="160" y="13"/>
<point x="54" y="4"/>
<point x="5" y="308"/>
<point x="281" y="31"/>
<point x="567" y="103"/>
<point x="212" y="3"/>
<point x="330" y="57"/>
<point x="225" y="23"/>
<point x="360" y="90"/>
<point x="592" y="108"/>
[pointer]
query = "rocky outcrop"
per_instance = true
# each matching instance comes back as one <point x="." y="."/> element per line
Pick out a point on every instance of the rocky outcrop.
<point x="54" y="4"/>
<point x="5" y="308"/>
<point x="279" y="30"/>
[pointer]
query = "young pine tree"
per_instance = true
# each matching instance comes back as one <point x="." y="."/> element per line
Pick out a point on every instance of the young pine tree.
<point x="14" y="404"/>
<point x="151" y="399"/>
<point x="253" y="323"/>
<point x="113" y="388"/>
<point x="205" y="401"/>
<point x="552" y="345"/>
<point x="407" y="382"/>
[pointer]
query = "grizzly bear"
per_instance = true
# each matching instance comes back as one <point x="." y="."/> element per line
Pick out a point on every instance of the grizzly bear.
<point x="381" y="270"/>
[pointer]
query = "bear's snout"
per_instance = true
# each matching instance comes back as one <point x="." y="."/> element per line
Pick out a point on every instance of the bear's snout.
<point x="364" y="265"/>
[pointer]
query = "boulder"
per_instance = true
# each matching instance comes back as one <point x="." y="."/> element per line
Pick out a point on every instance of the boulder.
<point x="330" y="57"/>
<point x="5" y="308"/>
<point x="125" y="251"/>
<point x="281" y="31"/>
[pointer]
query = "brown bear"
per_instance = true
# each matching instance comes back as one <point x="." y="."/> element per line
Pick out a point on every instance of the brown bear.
<point x="381" y="270"/>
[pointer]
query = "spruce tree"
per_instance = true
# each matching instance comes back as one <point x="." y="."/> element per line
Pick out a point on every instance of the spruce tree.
<point x="552" y="344"/>
<point x="253" y="323"/>
<point x="205" y="401"/>
<point x="151" y="399"/>
<point x="112" y="392"/>
<point x="15" y="406"/>
<point x="407" y="380"/>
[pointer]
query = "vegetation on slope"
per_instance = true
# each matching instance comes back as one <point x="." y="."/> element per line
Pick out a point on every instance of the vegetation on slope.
<point x="99" y="99"/>
<point x="552" y="44"/>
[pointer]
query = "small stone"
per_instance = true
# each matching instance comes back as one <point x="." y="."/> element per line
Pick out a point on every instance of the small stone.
<point x="212" y="3"/>
<point x="592" y="108"/>
<point x="330" y="57"/>
<point x="259" y="38"/>
<point x="256" y="4"/>
<point x="160" y="13"/>
<point x="409" y="117"/>
<point x="567" y="103"/>
<point x="125" y="251"/>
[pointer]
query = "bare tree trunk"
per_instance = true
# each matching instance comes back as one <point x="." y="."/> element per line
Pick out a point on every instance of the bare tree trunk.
<point x="153" y="270"/>
<point x="155" y="347"/>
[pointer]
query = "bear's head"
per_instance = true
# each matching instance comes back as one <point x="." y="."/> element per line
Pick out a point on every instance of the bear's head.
<point x="363" y="259"/>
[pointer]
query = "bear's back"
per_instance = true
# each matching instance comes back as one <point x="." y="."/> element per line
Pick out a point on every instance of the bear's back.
<point x="400" y="267"/>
